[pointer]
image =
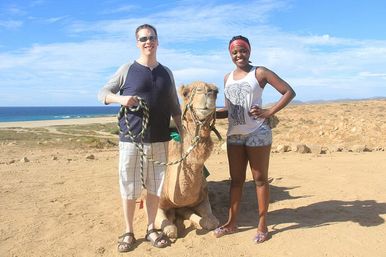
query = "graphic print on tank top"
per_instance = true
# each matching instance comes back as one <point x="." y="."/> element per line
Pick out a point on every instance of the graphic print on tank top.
<point x="236" y="95"/>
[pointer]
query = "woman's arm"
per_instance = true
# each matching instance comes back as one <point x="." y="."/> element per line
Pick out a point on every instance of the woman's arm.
<point x="266" y="76"/>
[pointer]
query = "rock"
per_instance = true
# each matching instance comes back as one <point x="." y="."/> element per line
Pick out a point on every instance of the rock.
<point x="316" y="149"/>
<point x="101" y="250"/>
<point x="378" y="149"/>
<point x="294" y="148"/>
<point x="336" y="148"/>
<point x="90" y="157"/>
<point x="54" y="158"/>
<point x="303" y="149"/>
<point x="325" y="150"/>
<point x="282" y="148"/>
<point x="24" y="159"/>
<point x="360" y="148"/>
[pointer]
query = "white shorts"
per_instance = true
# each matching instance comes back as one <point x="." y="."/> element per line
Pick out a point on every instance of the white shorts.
<point x="130" y="183"/>
<point x="262" y="136"/>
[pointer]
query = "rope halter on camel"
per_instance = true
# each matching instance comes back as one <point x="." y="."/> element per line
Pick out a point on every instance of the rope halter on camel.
<point x="209" y="121"/>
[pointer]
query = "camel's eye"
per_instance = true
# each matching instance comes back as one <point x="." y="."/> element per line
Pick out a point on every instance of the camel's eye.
<point x="199" y="89"/>
<point x="185" y="93"/>
<point x="212" y="91"/>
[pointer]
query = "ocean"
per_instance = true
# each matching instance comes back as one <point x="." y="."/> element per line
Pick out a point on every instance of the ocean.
<point x="10" y="114"/>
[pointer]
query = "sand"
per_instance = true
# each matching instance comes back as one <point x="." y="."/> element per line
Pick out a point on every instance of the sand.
<point x="59" y="194"/>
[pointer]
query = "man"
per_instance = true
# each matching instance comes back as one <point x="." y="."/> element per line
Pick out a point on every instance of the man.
<point x="154" y="83"/>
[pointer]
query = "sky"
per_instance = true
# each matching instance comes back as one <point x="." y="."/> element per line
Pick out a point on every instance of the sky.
<point x="60" y="53"/>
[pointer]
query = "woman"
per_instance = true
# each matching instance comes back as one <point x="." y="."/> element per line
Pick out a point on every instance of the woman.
<point x="249" y="136"/>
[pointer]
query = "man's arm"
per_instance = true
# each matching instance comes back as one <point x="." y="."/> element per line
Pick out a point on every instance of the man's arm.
<point x="108" y="93"/>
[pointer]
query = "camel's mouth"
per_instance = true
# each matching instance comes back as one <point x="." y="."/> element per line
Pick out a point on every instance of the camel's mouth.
<point x="203" y="113"/>
<point x="204" y="108"/>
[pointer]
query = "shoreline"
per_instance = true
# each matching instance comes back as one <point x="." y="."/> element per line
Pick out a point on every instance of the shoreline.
<point x="47" y="123"/>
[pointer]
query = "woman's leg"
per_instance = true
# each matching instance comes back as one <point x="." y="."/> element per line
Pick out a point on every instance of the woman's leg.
<point x="237" y="159"/>
<point x="259" y="163"/>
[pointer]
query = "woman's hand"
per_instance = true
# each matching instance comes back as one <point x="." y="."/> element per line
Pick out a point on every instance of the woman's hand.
<point x="258" y="112"/>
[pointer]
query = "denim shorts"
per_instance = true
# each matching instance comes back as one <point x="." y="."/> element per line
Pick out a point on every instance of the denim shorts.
<point x="262" y="136"/>
<point x="130" y="183"/>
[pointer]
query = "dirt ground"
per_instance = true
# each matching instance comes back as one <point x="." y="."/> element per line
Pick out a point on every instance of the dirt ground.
<point x="59" y="194"/>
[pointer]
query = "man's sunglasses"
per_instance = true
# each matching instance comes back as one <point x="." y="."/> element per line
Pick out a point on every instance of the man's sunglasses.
<point x="144" y="39"/>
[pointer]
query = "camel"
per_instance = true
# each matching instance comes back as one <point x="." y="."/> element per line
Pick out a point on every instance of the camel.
<point x="185" y="191"/>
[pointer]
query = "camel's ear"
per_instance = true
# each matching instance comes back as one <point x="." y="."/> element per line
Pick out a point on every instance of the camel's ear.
<point x="213" y="87"/>
<point x="183" y="91"/>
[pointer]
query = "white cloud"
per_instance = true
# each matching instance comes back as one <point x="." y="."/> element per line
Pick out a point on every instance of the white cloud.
<point x="37" y="3"/>
<point x="193" y="43"/>
<point x="367" y="74"/>
<point x="55" y="19"/>
<point x="11" y="24"/>
<point x="14" y="10"/>
<point x="121" y="9"/>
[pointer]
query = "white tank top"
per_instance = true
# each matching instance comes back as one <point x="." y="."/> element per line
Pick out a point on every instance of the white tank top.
<point x="240" y="96"/>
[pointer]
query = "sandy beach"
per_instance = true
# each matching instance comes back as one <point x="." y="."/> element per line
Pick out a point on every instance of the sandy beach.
<point x="48" y="123"/>
<point x="59" y="193"/>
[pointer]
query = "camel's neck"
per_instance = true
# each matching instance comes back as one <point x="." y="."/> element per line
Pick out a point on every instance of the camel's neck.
<point x="202" y="149"/>
<point x="186" y="180"/>
<point x="190" y="130"/>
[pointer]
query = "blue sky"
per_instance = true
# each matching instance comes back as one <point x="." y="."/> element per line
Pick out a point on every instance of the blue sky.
<point x="59" y="53"/>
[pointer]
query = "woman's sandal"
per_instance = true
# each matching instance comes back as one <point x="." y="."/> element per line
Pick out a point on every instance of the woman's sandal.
<point x="161" y="240"/>
<point x="222" y="231"/>
<point x="260" y="237"/>
<point x="123" y="246"/>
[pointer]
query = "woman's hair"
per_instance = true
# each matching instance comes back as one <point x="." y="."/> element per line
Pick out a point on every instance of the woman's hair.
<point x="239" y="37"/>
<point x="145" y="26"/>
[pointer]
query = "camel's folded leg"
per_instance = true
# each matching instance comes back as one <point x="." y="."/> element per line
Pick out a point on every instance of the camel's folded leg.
<point x="188" y="214"/>
<point x="208" y="220"/>
<point x="201" y="215"/>
<point x="164" y="221"/>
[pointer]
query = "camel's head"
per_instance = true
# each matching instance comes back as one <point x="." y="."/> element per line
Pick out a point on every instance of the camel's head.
<point x="199" y="97"/>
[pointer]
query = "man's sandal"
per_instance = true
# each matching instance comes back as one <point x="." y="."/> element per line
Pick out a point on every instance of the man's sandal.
<point x="161" y="241"/>
<point x="261" y="237"/>
<point x="123" y="246"/>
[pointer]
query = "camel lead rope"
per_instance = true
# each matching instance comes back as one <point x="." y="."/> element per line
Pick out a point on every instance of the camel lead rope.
<point x="145" y="121"/>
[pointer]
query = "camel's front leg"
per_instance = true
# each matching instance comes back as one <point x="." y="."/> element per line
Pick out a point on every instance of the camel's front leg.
<point x="164" y="221"/>
<point x="208" y="221"/>
<point x="201" y="215"/>
<point x="188" y="214"/>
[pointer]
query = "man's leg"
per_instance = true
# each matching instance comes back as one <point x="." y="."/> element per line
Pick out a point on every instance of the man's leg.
<point x="151" y="208"/>
<point x="154" y="182"/>
<point x="128" y="214"/>
<point x="127" y="181"/>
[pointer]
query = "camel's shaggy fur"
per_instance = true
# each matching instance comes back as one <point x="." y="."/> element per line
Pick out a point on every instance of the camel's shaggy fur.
<point x="185" y="189"/>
